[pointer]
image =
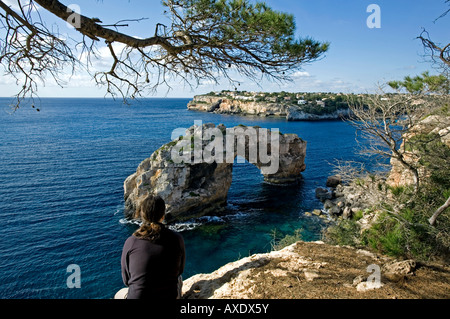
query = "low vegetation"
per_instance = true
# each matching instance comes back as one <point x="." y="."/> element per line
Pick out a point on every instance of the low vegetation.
<point x="404" y="232"/>
<point x="409" y="220"/>
<point x="279" y="241"/>
<point x="413" y="221"/>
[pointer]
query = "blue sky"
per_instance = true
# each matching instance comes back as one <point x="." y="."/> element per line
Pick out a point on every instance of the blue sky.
<point x="358" y="58"/>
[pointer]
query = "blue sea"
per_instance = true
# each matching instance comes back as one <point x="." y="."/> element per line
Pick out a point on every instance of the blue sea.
<point x="61" y="191"/>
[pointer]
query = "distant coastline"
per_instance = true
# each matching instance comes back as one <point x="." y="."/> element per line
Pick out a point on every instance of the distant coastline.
<point x="292" y="106"/>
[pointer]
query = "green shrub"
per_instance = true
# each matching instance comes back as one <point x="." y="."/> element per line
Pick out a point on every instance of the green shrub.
<point x="385" y="236"/>
<point x="345" y="232"/>
<point x="406" y="235"/>
<point x="358" y="215"/>
<point x="397" y="190"/>
<point x="278" y="242"/>
<point x="402" y="228"/>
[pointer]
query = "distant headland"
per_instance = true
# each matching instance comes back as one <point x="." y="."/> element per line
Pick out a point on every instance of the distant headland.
<point x="292" y="106"/>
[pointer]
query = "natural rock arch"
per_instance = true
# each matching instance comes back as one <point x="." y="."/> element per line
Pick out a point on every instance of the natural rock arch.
<point x="194" y="173"/>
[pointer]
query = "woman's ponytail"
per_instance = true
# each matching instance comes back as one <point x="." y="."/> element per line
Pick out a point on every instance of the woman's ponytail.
<point x="152" y="210"/>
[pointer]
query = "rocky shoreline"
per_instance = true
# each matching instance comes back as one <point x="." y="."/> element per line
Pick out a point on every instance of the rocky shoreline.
<point x="361" y="195"/>
<point x="224" y="105"/>
<point x="343" y="201"/>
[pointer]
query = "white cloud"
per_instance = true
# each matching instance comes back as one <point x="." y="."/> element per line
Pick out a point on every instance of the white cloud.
<point x="7" y="80"/>
<point x="407" y="67"/>
<point x="81" y="80"/>
<point x="102" y="58"/>
<point x="207" y="82"/>
<point x="300" y="74"/>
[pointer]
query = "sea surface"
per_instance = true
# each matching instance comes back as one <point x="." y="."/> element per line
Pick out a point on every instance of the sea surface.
<point x="61" y="192"/>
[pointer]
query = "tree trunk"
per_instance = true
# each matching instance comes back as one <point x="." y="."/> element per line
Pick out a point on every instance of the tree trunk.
<point x="433" y="218"/>
<point x="416" y="179"/>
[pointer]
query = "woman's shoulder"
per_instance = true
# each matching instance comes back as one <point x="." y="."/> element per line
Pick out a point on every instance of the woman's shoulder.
<point x="170" y="232"/>
<point x="129" y="243"/>
<point x="173" y="234"/>
<point x="133" y="240"/>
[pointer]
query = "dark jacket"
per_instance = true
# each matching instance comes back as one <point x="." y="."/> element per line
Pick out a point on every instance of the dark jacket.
<point x="151" y="269"/>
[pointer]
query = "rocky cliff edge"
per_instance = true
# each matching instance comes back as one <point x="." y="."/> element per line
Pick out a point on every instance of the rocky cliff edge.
<point x="224" y="105"/>
<point x="314" y="270"/>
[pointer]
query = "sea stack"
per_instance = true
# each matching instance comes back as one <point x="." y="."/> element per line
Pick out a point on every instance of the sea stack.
<point x="194" y="172"/>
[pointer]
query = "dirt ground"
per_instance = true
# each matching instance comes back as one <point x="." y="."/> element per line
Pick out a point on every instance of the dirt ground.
<point x="312" y="270"/>
<point x="335" y="278"/>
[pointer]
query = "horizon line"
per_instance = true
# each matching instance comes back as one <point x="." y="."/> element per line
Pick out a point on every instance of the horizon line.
<point x="93" y="97"/>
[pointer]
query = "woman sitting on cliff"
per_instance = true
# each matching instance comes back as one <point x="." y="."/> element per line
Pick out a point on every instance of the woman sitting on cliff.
<point x="153" y="257"/>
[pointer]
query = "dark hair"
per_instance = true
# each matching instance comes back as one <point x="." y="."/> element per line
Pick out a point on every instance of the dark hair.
<point x="151" y="210"/>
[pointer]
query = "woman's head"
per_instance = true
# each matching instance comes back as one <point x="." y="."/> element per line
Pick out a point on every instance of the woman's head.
<point x="151" y="211"/>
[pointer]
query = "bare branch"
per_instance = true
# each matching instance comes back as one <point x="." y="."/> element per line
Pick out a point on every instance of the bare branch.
<point x="386" y="123"/>
<point x="436" y="214"/>
<point x="439" y="54"/>
<point x="29" y="51"/>
<point x="202" y="43"/>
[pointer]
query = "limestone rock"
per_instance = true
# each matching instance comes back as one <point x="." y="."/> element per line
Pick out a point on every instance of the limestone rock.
<point x="317" y="212"/>
<point x="398" y="270"/>
<point x="404" y="267"/>
<point x="323" y="194"/>
<point x="328" y="204"/>
<point x="294" y="113"/>
<point x="367" y="220"/>
<point x="193" y="173"/>
<point x="333" y="181"/>
<point x="229" y="105"/>
<point x="358" y="279"/>
<point x="368" y="285"/>
<point x="347" y="214"/>
<point x="360" y="195"/>
<point x="335" y="210"/>
<point x="224" y="105"/>
<point x="231" y="279"/>
<point x="237" y="279"/>
<point x="310" y="275"/>
<point x="436" y="124"/>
